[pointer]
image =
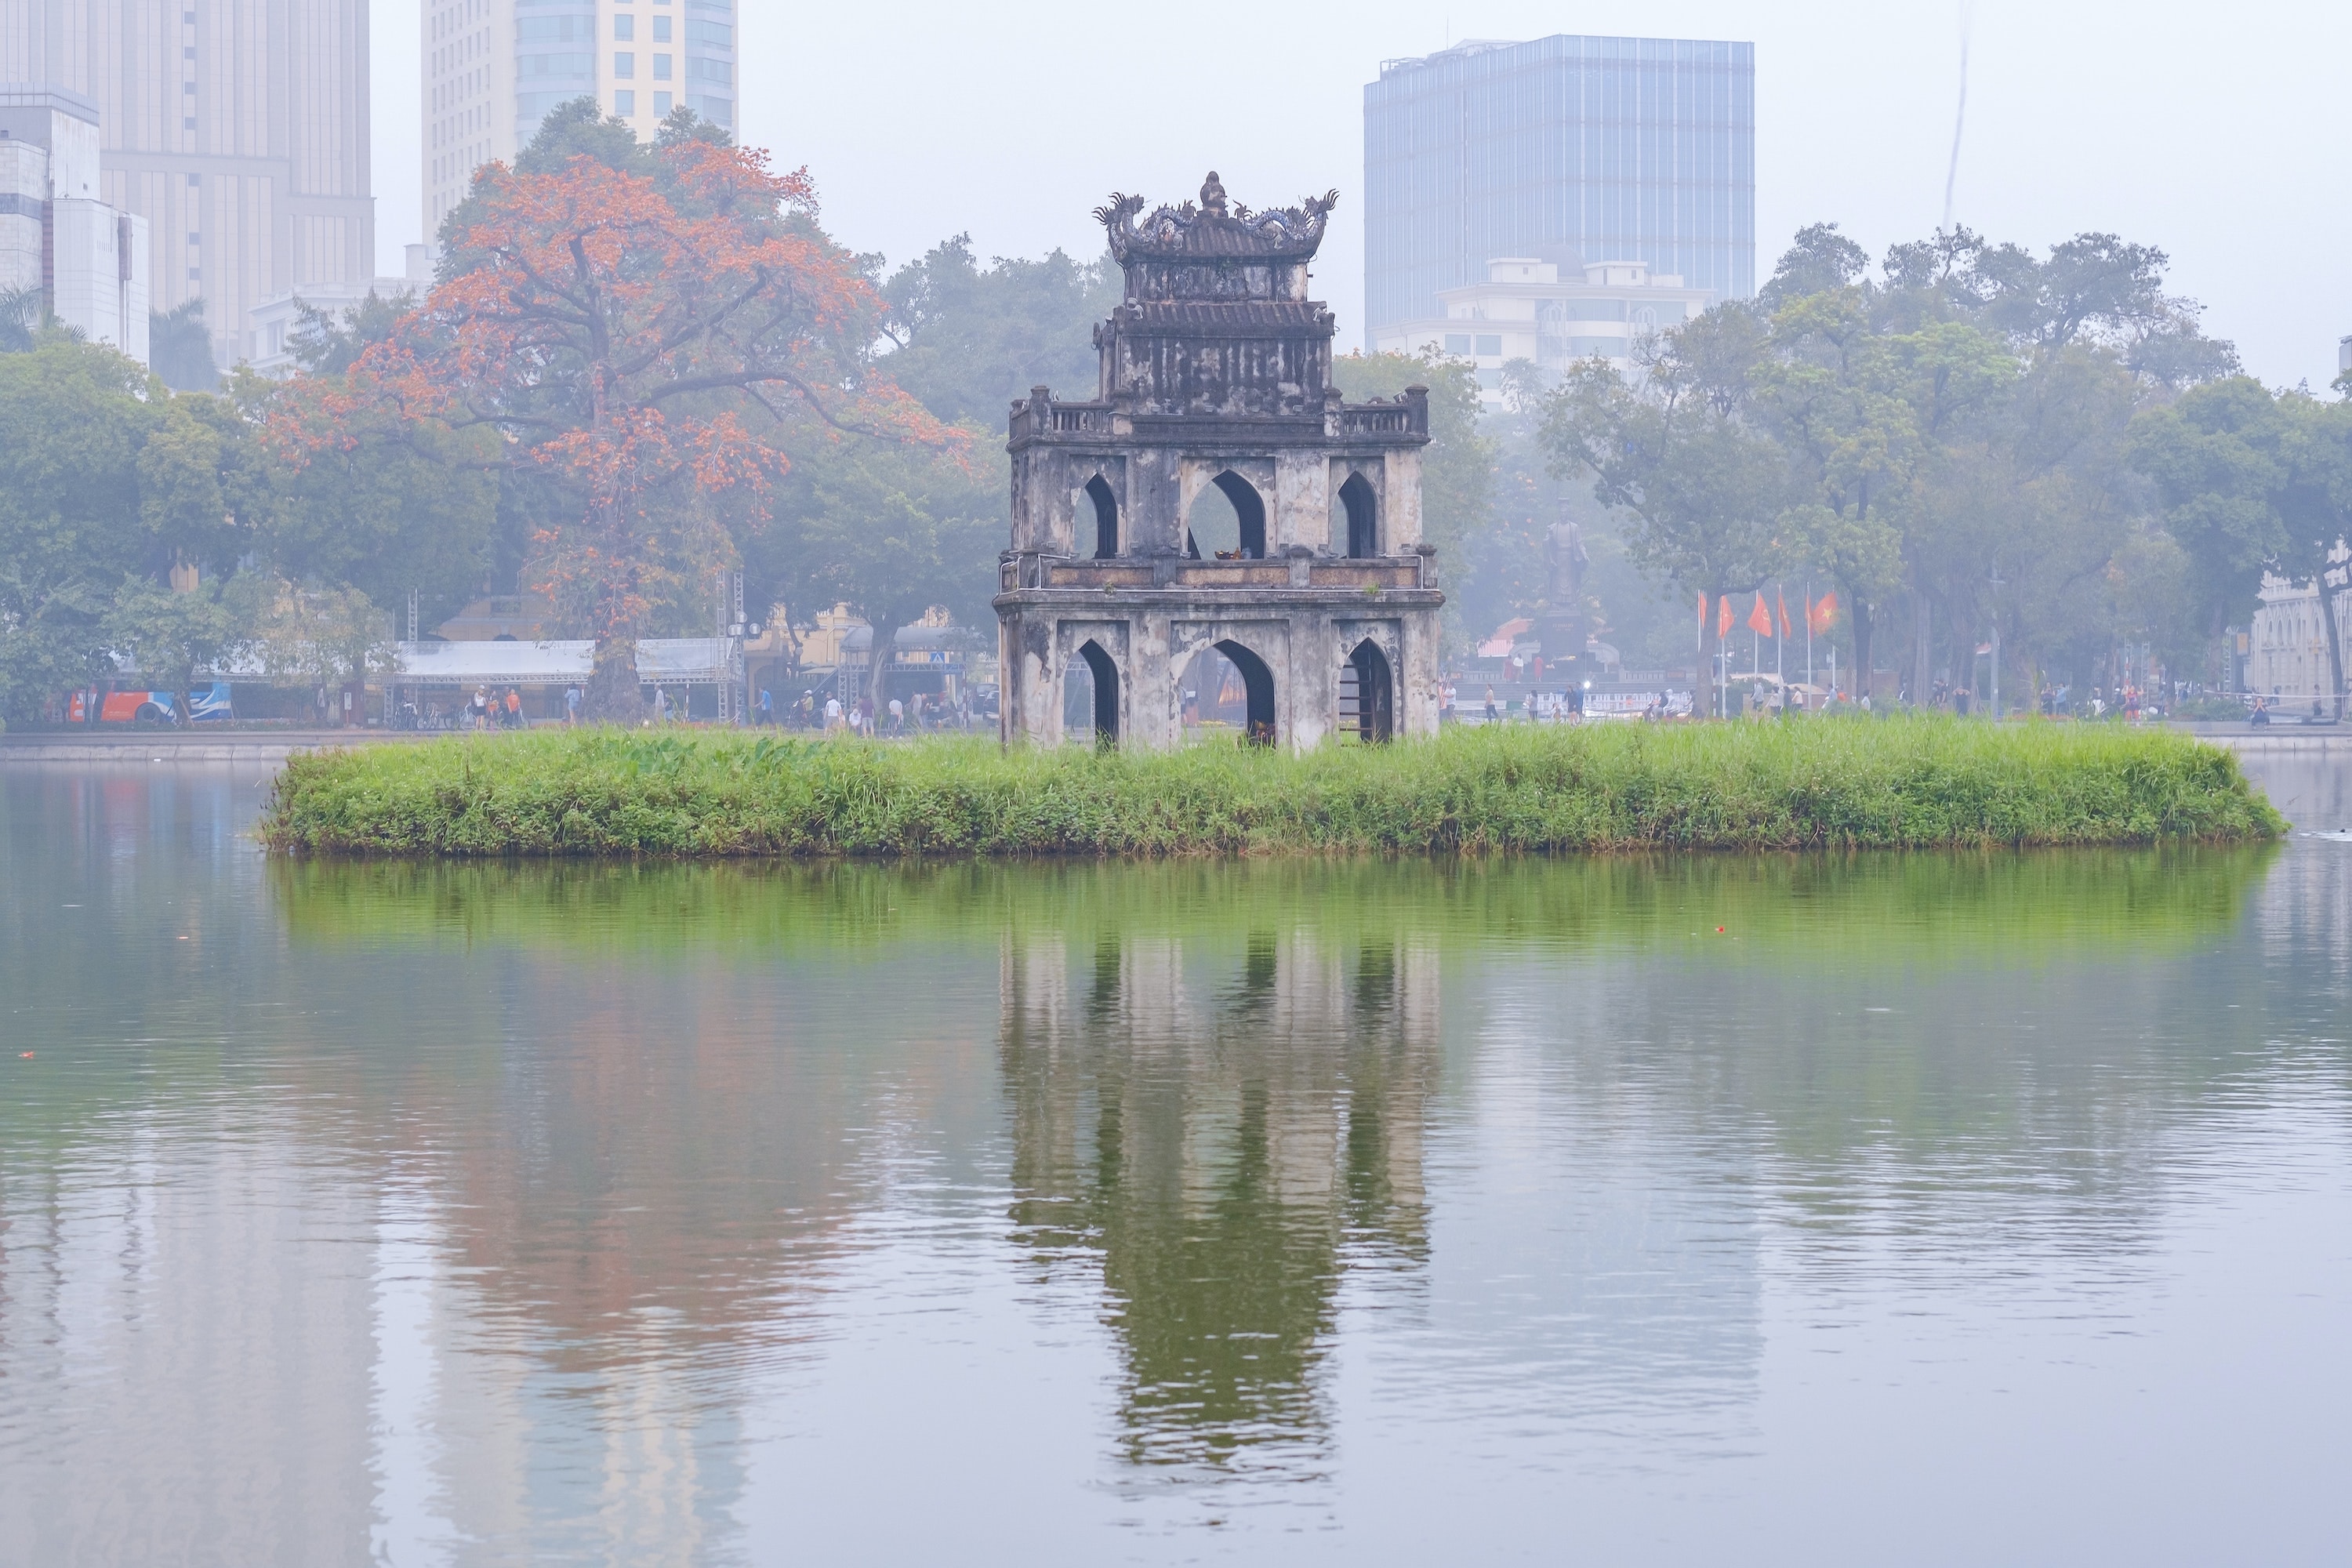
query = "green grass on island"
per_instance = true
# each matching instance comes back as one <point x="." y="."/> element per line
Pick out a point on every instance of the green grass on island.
<point x="1859" y="782"/>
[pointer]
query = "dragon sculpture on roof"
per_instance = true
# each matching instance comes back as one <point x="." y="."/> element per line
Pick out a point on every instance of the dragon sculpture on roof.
<point x="1212" y="228"/>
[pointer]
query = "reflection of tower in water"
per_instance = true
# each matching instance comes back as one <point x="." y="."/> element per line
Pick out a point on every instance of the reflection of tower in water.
<point x="1225" y="1130"/>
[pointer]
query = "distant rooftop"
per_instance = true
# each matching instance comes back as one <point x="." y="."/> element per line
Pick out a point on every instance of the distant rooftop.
<point x="1468" y="47"/>
<point x="34" y="95"/>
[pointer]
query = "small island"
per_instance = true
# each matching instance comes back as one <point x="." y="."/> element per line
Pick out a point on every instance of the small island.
<point x="1215" y="381"/>
<point x="1823" y="783"/>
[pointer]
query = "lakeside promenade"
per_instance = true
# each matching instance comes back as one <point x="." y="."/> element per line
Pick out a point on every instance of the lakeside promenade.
<point x="154" y="746"/>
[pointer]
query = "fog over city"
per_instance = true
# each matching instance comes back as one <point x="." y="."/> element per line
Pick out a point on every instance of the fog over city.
<point x="2215" y="136"/>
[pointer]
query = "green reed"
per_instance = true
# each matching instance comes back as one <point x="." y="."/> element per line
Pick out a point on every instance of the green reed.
<point x="1875" y="783"/>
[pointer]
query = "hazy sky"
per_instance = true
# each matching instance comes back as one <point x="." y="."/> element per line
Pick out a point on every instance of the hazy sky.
<point x="2216" y="133"/>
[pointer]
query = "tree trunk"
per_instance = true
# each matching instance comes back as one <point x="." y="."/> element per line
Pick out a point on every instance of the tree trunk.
<point x="1923" y="653"/>
<point x="878" y="665"/>
<point x="613" y="696"/>
<point x="2328" y="597"/>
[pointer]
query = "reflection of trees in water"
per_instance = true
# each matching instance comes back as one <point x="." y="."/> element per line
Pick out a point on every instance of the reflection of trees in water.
<point x="609" y="1093"/>
<point x="1221" y="1129"/>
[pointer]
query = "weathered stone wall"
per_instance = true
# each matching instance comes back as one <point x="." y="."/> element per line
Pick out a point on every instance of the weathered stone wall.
<point x="1216" y="365"/>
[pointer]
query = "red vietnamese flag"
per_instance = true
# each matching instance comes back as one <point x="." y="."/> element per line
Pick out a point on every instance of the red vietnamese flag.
<point x="1759" y="619"/>
<point x="1723" y="619"/>
<point x="1702" y="614"/>
<point x="1781" y="608"/>
<point x="1824" y="613"/>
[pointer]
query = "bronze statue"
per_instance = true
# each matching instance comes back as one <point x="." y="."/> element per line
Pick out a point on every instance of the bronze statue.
<point x="1564" y="627"/>
<point x="1564" y="562"/>
<point x="1213" y="195"/>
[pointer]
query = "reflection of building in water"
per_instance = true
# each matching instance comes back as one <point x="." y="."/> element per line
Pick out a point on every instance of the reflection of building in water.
<point x="612" y="1209"/>
<point x="1224" y="1130"/>
<point x="165" y="1364"/>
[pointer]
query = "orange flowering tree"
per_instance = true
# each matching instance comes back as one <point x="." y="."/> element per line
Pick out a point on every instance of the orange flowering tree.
<point x="649" y="336"/>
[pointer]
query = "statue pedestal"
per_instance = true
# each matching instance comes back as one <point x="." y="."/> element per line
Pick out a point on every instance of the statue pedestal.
<point x="1562" y="639"/>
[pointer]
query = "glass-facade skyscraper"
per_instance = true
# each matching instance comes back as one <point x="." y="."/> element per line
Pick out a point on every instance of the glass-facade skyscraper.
<point x="1567" y="150"/>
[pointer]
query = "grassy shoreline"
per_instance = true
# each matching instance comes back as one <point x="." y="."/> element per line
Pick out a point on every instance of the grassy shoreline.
<point x="1837" y="783"/>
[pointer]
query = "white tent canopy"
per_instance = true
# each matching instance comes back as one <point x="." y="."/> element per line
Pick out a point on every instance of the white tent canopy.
<point x="666" y="660"/>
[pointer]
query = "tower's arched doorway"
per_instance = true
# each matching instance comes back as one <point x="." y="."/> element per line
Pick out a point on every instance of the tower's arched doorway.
<point x="1257" y="684"/>
<point x="1363" y="518"/>
<point x="1103" y="705"/>
<point x="1105" y="516"/>
<point x="1244" y="538"/>
<point x="1368" y="695"/>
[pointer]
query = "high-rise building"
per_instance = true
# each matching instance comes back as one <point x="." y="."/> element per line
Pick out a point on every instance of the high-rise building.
<point x="494" y="67"/>
<point x="1568" y="151"/>
<point x="88" y="259"/>
<point x="238" y="129"/>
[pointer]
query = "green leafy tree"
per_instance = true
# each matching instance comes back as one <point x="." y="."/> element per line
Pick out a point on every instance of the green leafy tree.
<point x="2255" y="482"/>
<point x="1976" y="400"/>
<point x="1680" y="450"/>
<point x="1457" y="467"/>
<point x="888" y="529"/>
<point x="391" y="504"/>
<point x="2316" y="514"/>
<point x="2217" y="457"/>
<point x="73" y="420"/>
<point x="20" y="318"/>
<point x="326" y="343"/>
<point x="968" y="339"/>
<point x="649" y="336"/>
<point x="172" y="634"/>
<point x="180" y="348"/>
<point x="325" y="636"/>
<point x="209" y="494"/>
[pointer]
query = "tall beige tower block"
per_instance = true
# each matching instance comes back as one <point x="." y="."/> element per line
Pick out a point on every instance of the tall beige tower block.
<point x="237" y="129"/>
<point x="494" y="67"/>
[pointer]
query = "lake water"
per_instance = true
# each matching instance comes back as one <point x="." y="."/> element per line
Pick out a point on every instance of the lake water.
<point x="1935" y="1210"/>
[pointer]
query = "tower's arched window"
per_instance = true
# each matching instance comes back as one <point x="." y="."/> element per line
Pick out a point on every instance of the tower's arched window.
<point x="1105" y="516"/>
<point x="1363" y="517"/>
<point x="1248" y="524"/>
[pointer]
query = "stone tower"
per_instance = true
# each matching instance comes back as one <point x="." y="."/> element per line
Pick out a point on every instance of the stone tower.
<point x="1216" y="372"/>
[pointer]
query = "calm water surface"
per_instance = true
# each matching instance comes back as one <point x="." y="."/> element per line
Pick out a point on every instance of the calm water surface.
<point x="1933" y="1210"/>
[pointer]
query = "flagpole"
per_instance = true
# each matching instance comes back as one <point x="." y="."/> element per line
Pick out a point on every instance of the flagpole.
<point x="1809" y="632"/>
<point x="1780" y="641"/>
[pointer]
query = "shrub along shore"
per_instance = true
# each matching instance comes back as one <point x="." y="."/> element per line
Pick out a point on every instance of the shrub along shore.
<point x="1860" y="783"/>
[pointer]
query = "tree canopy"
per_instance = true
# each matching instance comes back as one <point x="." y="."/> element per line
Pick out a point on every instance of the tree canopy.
<point x="1963" y="434"/>
<point x="648" y="332"/>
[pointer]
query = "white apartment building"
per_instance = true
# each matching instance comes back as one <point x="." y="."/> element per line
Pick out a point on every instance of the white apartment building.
<point x="1525" y="310"/>
<point x="494" y="67"/>
<point x="2286" y="647"/>
<point x="275" y="321"/>
<point x="236" y="128"/>
<point x="89" y="259"/>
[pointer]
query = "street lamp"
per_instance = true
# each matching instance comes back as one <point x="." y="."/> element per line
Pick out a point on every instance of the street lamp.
<point x="1996" y="642"/>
